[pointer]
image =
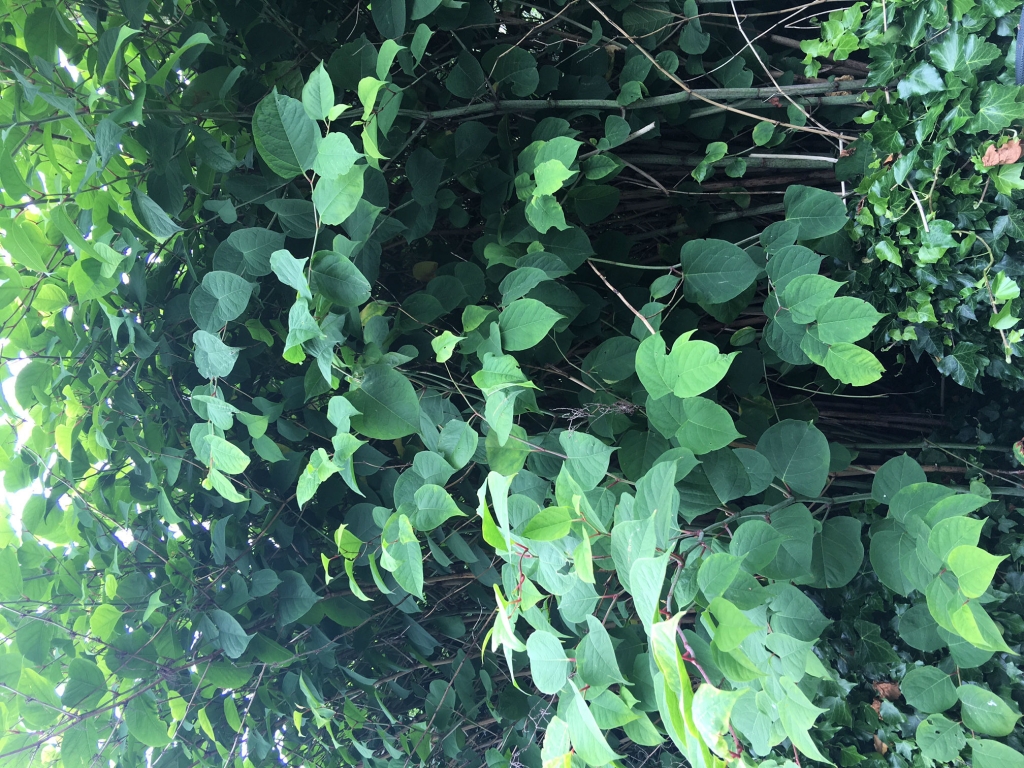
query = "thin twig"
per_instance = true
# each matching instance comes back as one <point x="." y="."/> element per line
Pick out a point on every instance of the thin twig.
<point x="690" y="91"/>
<point x="622" y="298"/>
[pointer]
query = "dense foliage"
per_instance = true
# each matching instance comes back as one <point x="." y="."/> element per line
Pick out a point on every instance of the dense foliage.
<point x="448" y="383"/>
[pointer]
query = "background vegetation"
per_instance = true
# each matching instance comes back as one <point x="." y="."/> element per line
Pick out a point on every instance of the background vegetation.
<point x="455" y="383"/>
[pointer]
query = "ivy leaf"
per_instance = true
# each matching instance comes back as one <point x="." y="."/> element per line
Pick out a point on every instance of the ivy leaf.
<point x="998" y="108"/>
<point x="922" y="79"/>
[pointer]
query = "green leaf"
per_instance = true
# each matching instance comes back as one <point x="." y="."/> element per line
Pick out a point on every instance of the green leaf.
<point x="336" y="156"/>
<point x="940" y="738"/>
<point x="928" y="689"/>
<point x="798" y="453"/>
<point x="549" y="666"/>
<point x="985" y="712"/>
<point x="294" y="597"/>
<point x="225" y="456"/>
<point x="715" y="271"/>
<point x="646" y="581"/>
<point x="703" y="426"/>
<point x="144" y="723"/>
<point x="318" y="94"/>
<point x="444" y="345"/>
<point x="160" y="76"/>
<point x="543" y="213"/>
<point x="922" y="79"/>
<point x="285" y="136"/>
<point x="595" y="657"/>
<point x="733" y="625"/>
<point x="550" y="524"/>
<point x="845" y="319"/>
<point x="805" y="295"/>
<point x="791" y="261"/>
<point x="986" y="753"/>
<point x="457" y="443"/>
<point x="757" y="543"/>
<point x="338" y="279"/>
<point x="152" y="216"/>
<point x="402" y="554"/>
<point x="584" y="733"/>
<point x="86" y="685"/>
<point x="798" y="715"/>
<point x="712" y="709"/>
<point x="214" y="358"/>
<point x="586" y="458"/>
<point x="263" y="583"/>
<point x="692" y="367"/>
<point x="974" y="568"/>
<point x="387" y="404"/>
<point x="105" y="621"/>
<point x="851" y="364"/>
<point x="248" y="251"/>
<point x="221" y="298"/>
<point x="837" y="552"/>
<point x="953" y="532"/>
<point x="389" y="18"/>
<point x="818" y="212"/>
<point x="291" y="272"/>
<point x="524" y="323"/>
<point x="232" y="638"/>
<point x="763" y="133"/>
<point x="336" y="197"/>
<point x="895" y="475"/>
<point x="998" y="108"/>
<point x="433" y="505"/>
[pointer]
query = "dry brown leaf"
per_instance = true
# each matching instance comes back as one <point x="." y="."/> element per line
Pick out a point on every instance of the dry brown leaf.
<point x="888" y="691"/>
<point x="877" y="706"/>
<point x="880" y="746"/>
<point x="1007" y="154"/>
